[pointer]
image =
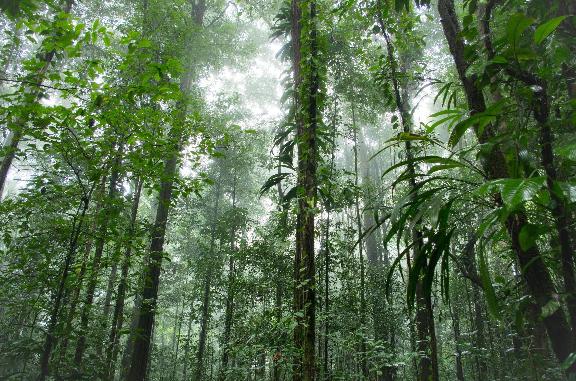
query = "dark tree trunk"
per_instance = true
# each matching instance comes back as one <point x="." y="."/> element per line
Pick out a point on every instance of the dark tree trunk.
<point x="83" y="266"/>
<point x="59" y="294"/>
<point x="205" y="321"/>
<point x="307" y="91"/>
<point x="363" y="307"/>
<point x="229" y="312"/>
<point x="110" y="213"/>
<point x="327" y="249"/>
<point x="188" y="344"/>
<point x="533" y="268"/>
<point x="118" y="314"/>
<point x="457" y="337"/>
<point x="425" y="326"/>
<point x="140" y="354"/>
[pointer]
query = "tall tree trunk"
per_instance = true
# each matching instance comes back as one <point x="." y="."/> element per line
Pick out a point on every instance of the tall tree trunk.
<point x="307" y="91"/>
<point x="533" y="268"/>
<point x="110" y="213"/>
<point x="363" y="359"/>
<point x="118" y="314"/>
<point x="188" y="344"/>
<point x="327" y="249"/>
<point x="205" y="321"/>
<point x="425" y="326"/>
<point x="456" y="330"/>
<point x="229" y="312"/>
<point x="206" y="297"/>
<point x="140" y="354"/>
<point x="59" y="294"/>
<point x="100" y="195"/>
<point x="541" y="111"/>
<point x="179" y="317"/>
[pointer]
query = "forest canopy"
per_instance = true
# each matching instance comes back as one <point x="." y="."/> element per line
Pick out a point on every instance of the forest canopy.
<point x="274" y="190"/>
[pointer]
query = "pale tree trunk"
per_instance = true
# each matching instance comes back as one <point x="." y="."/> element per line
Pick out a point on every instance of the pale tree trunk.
<point x="206" y="297"/>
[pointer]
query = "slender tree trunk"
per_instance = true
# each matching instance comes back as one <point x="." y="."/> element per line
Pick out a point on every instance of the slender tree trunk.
<point x="425" y="326"/>
<point x="98" y="251"/>
<point x="206" y="298"/>
<point x="83" y="265"/>
<point x="59" y="294"/>
<point x="118" y="314"/>
<point x="363" y="307"/>
<point x="176" y="339"/>
<point x="205" y="321"/>
<point x="327" y="249"/>
<point x="188" y="345"/>
<point x="457" y="337"/>
<point x="229" y="312"/>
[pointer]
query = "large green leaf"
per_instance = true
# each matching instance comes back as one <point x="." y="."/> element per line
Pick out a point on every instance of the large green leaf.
<point x="514" y="191"/>
<point x="489" y="292"/>
<point x="517" y="24"/>
<point x="544" y="30"/>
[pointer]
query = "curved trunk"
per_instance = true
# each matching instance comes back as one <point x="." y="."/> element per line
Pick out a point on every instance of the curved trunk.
<point x="533" y="268"/>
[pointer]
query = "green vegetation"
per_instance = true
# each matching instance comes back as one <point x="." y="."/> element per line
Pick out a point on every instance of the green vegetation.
<point x="304" y="190"/>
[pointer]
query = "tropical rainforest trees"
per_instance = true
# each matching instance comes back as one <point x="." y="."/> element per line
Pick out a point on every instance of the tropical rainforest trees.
<point x="287" y="190"/>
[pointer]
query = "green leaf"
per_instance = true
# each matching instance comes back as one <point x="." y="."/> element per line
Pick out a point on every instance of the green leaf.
<point x="550" y="308"/>
<point x="566" y="364"/>
<point x="499" y="60"/>
<point x="490" y="293"/>
<point x="568" y="189"/>
<point x="567" y="151"/>
<point x="514" y="191"/>
<point x="272" y="181"/>
<point x="547" y="28"/>
<point x="516" y="25"/>
<point x="529" y="235"/>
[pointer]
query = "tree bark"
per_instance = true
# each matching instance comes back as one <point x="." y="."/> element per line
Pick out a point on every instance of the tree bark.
<point x="59" y="294"/>
<point x="425" y="326"/>
<point x="533" y="268"/>
<point x="229" y="312"/>
<point x="363" y="307"/>
<point x="118" y="314"/>
<point x="98" y="251"/>
<point x="205" y="318"/>
<point x="140" y="355"/>
<point x="456" y="330"/>
<point x="307" y="91"/>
